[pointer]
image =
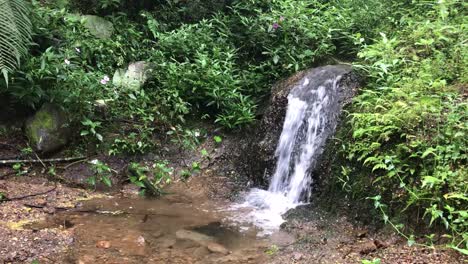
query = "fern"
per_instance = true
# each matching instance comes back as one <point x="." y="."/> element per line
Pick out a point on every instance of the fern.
<point x="15" y="34"/>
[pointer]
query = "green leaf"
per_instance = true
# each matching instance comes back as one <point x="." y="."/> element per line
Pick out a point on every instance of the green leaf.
<point x="15" y="34"/>
<point x="427" y="152"/>
<point x="217" y="139"/>
<point x="91" y="180"/>
<point x="275" y="59"/>
<point x="461" y="250"/>
<point x="106" y="180"/>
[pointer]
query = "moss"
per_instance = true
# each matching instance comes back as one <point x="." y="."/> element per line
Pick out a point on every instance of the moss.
<point x="42" y="120"/>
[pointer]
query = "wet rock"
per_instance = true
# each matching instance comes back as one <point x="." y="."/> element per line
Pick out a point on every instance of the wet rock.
<point x="200" y="252"/>
<point x="165" y="242"/>
<point x="48" y="130"/>
<point x="258" y="158"/>
<point x="194" y="236"/>
<point x="217" y="248"/>
<point x="98" y="26"/>
<point x="203" y="240"/>
<point x="366" y="247"/>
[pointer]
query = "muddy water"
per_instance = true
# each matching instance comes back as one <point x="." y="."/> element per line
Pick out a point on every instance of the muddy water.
<point x="173" y="229"/>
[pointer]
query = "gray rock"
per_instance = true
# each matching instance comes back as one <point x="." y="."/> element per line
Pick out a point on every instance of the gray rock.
<point x="133" y="78"/>
<point x="203" y="240"/>
<point x="48" y="130"/>
<point x="98" y="26"/>
<point x="217" y="248"/>
<point x="194" y="236"/>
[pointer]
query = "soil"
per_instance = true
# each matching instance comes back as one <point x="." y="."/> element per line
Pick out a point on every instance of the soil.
<point x="322" y="237"/>
<point x="58" y="223"/>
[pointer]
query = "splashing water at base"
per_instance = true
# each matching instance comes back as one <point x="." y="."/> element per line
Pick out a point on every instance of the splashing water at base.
<point x="313" y="107"/>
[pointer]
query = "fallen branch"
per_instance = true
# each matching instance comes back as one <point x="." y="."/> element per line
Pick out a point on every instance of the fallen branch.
<point x="97" y="211"/>
<point x="7" y="199"/>
<point x="13" y="161"/>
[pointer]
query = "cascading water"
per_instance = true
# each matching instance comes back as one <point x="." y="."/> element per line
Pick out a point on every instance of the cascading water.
<point x="311" y="116"/>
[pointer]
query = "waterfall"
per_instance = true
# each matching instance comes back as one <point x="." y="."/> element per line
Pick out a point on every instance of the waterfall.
<point x="311" y="117"/>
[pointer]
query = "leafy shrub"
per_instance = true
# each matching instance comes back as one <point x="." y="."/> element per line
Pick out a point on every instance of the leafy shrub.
<point x="409" y="124"/>
<point x="152" y="179"/>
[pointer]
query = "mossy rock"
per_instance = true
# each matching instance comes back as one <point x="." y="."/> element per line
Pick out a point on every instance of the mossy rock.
<point x="48" y="130"/>
<point x="133" y="78"/>
<point x="98" y="26"/>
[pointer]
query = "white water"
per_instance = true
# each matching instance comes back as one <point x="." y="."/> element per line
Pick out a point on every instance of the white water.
<point x="307" y="125"/>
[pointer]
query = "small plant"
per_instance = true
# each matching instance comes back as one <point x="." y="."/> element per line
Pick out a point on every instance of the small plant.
<point x="3" y="197"/>
<point x="102" y="173"/>
<point x="26" y="151"/>
<point x="374" y="261"/>
<point x="186" y="138"/>
<point x="52" y="171"/>
<point x="90" y="128"/>
<point x="152" y="179"/>
<point x="217" y="139"/>
<point x="272" y="250"/>
<point x="20" y="169"/>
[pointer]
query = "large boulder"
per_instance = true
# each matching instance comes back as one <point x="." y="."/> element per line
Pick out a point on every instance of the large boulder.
<point x="258" y="159"/>
<point x="49" y="129"/>
<point x="133" y="78"/>
<point x="98" y="26"/>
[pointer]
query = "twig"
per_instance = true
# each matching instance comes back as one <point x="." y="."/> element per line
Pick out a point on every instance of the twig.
<point x="29" y="195"/>
<point x="43" y="165"/>
<point x="3" y="162"/>
<point x="75" y="162"/>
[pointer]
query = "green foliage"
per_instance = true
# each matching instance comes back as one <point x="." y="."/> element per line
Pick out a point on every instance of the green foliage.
<point x="408" y="142"/>
<point x="20" y="169"/>
<point x="102" y="173"/>
<point x="272" y="250"/>
<point x="15" y="34"/>
<point x="90" y="129"/>
<point x="405" y="141"/>
<point x="152" y="179"/>
<point x="3" y="197"/>
<point x="374" y="261"/>
<point x="217" y="139"/>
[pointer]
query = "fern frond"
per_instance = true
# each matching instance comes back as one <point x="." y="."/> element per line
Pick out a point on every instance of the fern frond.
<point x="15" y="34"/>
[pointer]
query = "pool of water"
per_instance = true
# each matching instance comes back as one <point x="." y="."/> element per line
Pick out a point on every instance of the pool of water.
<point x="172" y="229"/>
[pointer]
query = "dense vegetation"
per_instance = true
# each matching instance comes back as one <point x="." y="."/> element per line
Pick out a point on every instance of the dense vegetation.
<point x="217" y="60"/>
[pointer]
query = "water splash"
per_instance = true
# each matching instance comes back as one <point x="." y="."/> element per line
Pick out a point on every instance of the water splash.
<point x="313" y="106"/>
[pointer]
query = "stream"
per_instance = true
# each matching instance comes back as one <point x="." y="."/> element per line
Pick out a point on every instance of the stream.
<point x="172" y="229"/>
<point x="177" y="229"/>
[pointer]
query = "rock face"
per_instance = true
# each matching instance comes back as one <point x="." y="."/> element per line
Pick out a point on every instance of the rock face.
<point x="258" y="161"/>
<point x="98" y="26"/>
<point x="48" y="130"/>
<point x="134" y="77"/>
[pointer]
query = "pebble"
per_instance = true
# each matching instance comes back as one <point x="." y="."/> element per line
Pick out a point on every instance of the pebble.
<point x="103" y="244"/>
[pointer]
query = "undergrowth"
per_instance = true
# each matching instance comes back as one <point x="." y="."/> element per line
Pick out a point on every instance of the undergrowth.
<point x="216" y="60"/>
<point x="408" y="139"/>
